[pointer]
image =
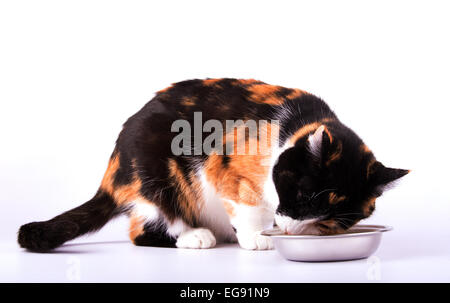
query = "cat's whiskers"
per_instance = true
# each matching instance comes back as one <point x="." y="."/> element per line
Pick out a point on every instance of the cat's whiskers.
<point x="314" y="196"/>
<point x="343" y="222"/>
<point x="349" y="214"/>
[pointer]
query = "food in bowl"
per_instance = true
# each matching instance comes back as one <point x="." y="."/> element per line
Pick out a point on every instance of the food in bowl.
<point x="358" y="242"/>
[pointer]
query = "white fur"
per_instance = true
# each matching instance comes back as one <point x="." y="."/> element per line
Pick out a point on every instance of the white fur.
<point x="150" y="213"/>
<point x="188" y="237"/>
<point x="249" y="221"/>
<point x="269" y="192"/>
<point x="315" y="141"/>
<point x="253" y="240"/>
<point x="177" y="227"/>
<point x="295" y="227"/>
<point x="143" y="209"/>
<point x="196" y="238"/>
<point x="213" y="214"/>
<point x="252" y="218"/>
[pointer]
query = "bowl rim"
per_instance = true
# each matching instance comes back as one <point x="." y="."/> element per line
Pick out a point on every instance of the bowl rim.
<point x="374" y="229"/>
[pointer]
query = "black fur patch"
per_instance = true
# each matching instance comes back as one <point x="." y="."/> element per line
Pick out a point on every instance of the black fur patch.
<point x="155" y="235"/>
<point x="47" y="235"/>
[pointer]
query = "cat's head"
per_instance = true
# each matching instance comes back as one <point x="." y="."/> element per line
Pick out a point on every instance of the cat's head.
<point x="328" y="181"/>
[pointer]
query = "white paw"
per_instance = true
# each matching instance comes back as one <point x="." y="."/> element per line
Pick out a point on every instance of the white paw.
<point x="254" y="241"/>
<point x="196" y="238"/>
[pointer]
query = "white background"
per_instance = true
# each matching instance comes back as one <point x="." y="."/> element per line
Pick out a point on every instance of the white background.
<point x="72" y="72"/>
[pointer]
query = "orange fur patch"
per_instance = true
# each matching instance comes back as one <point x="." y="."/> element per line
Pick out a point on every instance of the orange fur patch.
<point x="308" y="129"/>
<point x="295" y="94"/>
<point x="128" y="193"/>
<point x="136" y="227"/>
<point x="258" y="144"/>
<point x="229" y="208"/>
<point x="329" y="134"/>
<point x="365" y="149"/>
<point x="369" y="206"/>
<point x="108" y="178"/>
<point x="224" y="180"/>
<point x="335" y="155"/>
<point x="334" y="198"/>
<point x="248" y="81"/>
<point x="265" y="93"/>
<point x="211" y="81"/>
<point x="123" y="193"/>
<point x="188" y="196"/>
<point x="249" y="193"/>
<point x="164" y="89"/>
<point x="241" y="180"/>
<point x="188" y="101"/>
<point x="369" y="168"/>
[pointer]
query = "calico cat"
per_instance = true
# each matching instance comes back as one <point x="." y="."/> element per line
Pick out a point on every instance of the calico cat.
<point x="316" y="176"/>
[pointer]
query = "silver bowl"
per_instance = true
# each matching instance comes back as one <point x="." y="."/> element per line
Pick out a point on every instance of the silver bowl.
<point x="360" y="241"/>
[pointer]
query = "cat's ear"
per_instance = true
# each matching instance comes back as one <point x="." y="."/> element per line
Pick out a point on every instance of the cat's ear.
<point x="319" y="142"/>
<point x="379" y="174"/>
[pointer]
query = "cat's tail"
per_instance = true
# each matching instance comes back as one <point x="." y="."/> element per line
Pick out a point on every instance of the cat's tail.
<point x="88" y="217"/>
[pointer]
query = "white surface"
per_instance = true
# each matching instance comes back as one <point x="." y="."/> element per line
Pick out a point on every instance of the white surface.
<point x="409" y="253"/>
<point x="402" y="257"/>
<point x="72" y="73"/>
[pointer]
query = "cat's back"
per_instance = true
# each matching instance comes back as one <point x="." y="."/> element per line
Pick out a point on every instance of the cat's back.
<point x="150" y="132"/>
<point x="220" y="99"/>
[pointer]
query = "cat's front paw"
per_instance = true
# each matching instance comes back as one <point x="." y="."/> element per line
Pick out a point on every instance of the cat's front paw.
<point x="254" y="241"/>
<point x="196" y="238"/>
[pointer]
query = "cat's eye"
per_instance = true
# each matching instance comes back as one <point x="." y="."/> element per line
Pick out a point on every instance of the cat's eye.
<point x="301" y="196"/>
<point x="306" y="183"/>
